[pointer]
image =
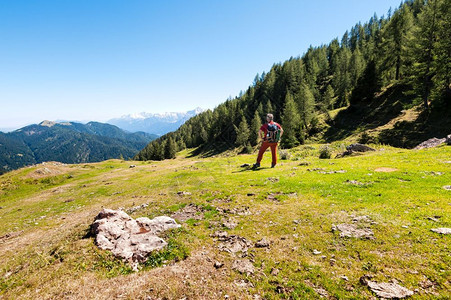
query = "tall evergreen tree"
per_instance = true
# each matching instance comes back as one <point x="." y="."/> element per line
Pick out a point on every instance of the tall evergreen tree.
<point x="424" y="43"/>
<point x="170" y="148"/>
<point x="254" y="128"/>
<point x="268" y="107"/>
<point x="305" y="104"/>
<point x="328" y="97"/>
<point x="242" y="133"/>
<point x="442" y="53"/>
<point x="356" y="66"/>
<point x="396" y="36"/>
<point x="290" y="123"/>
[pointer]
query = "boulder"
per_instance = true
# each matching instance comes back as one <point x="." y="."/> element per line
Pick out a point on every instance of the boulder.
<point x="448" y="139"/>
<point x="129" y="239"/>
<point x="434" y="142"/>
<point x="355" y="149"/>
<point x="359" y="148"/>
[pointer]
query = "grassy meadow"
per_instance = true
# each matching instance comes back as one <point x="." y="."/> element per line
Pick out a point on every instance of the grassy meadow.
<point x="46" y="251"/>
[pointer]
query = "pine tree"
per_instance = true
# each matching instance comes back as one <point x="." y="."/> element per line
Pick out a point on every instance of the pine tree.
<point x="268" y="107"/>
<point x="367" y="85"/>
<point x="261" y="113"/>
<point x="254" y="129"/>
<point x="442" y="53"/>
<point x="290" y="123"/>
<point x="169" y="149"/>
<point x="242" y="133"/>
<point x="305" y="104"/>
<point x="341" y="80"/>
<point x="356" y="66"/>
<point x="328" y="97"/>
<point x="396" y="36"/>
<point x="423" y="50"/>
<point x="158" y="150"/>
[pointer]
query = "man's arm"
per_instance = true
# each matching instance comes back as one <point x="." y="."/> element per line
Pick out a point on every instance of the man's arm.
<point x="281" y="130"/>
<point x="261" y="134"/>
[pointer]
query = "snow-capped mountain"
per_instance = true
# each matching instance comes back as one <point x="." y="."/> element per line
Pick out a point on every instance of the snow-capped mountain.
<point x="154" y="123"/>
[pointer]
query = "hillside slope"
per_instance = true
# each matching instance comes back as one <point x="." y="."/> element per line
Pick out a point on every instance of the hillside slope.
<point x="46" y="211"/>
<point x="376" y="70"/>
<point x="67" y="143"/>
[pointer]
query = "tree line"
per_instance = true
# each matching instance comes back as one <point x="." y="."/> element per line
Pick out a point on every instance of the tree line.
<point x="409" y="46"/>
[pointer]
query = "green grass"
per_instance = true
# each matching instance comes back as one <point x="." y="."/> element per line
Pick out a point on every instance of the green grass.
<point x="48" y="219"/>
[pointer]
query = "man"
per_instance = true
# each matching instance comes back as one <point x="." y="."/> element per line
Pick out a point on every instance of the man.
<point x="270" y="133"/>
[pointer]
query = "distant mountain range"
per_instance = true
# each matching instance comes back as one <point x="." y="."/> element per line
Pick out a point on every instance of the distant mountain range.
<point x="158" y="124"/>
<point x="68" y="142"/>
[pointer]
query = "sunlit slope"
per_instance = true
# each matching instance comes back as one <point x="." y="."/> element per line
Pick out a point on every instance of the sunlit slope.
<point x="400" y="195"/>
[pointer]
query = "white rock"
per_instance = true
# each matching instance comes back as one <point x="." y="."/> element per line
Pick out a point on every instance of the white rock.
<point x="131" y="240"/>
<point x="442" y="230"/>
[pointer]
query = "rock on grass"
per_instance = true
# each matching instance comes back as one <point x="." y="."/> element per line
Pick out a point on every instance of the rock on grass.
<point x="387" y="290"/>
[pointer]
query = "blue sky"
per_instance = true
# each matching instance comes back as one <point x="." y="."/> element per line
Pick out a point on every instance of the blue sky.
<point x="99" y="59"/>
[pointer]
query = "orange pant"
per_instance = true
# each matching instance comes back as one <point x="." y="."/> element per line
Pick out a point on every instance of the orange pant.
<point x="263" y="148"/>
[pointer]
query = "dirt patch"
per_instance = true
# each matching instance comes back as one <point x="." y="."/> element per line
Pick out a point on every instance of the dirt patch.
<point x="231" y="244"/>
<point x="355" y="182"/>
<point x="358" y="229"/>
<point x="385" y="170"/>
<point x="194" y="278"/>
<point x="240" y="211"/>
<point x="190" y="211"/>
<point x="351" y="230"/>
<point x="47" y="169"/>
<point x="320" y="290"/>
<point x="244" y="266"/>
<point x="10" y="235"/>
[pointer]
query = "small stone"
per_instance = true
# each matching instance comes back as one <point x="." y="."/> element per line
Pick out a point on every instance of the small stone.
<point x="344" y="278"/>
<point x="316" y="252"/>
<point x="183" y="193"/>
<point x="275" y="271"/>
<point x="218" y="264"/>
<point x="263" y="243"/>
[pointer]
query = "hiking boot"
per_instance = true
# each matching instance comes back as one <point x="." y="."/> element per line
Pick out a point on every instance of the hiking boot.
<point x="256" y="165"/>
<point x="273" y="165"/>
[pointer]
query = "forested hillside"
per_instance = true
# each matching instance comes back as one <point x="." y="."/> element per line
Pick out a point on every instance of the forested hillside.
<point x="374" y="73"/>
<point x="67" y="143"/>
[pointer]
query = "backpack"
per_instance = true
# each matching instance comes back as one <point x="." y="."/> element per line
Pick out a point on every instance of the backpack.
<point x="273" y="134"/>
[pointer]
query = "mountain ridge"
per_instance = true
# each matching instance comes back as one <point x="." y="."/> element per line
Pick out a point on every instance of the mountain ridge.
<point x="67" y="142"/>
<point x="154" y="123"/>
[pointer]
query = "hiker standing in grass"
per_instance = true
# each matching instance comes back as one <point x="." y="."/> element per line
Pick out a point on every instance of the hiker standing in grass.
<point x="270" y="133"/>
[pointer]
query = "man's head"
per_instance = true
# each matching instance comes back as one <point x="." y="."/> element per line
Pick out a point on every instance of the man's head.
<point x="269" y="117"/>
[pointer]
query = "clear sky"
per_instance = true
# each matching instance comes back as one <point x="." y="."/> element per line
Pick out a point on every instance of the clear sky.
<point x="99" y="59"/>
